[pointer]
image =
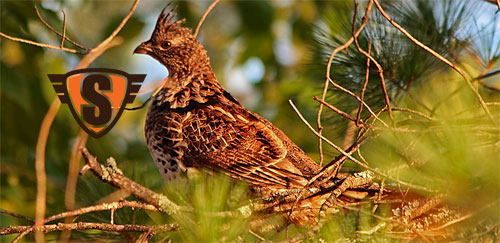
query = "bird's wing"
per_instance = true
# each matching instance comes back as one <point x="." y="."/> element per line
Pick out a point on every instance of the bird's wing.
<point x="242" y="145"/>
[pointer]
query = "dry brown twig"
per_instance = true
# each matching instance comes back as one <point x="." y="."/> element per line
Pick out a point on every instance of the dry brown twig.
<point x="329" y="80"/>
<point x="57" y="32"/>
<point x="64" y="29"/>
<point x="365" y="84"/>
<point x="209" y="9"/>
<point x="39" y="44"/>
<point x="112" y="175"/>
<point x="87" y="226"/>
<point x="379" y="67"/>
<point x="19" y="216"/>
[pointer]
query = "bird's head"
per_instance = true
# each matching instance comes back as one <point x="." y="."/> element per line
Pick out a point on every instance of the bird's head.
<point x="173" y="45"/>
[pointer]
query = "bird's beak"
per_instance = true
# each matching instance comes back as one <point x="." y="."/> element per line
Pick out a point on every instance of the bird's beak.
<point x="143" y="48"/>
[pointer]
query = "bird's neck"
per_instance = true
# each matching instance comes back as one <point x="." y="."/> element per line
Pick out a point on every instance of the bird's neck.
<point x="191" y="84"/>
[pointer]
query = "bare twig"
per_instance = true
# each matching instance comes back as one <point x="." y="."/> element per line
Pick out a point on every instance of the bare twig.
<point x="19" y="216"/>
<point x="335" y="109"/>
<point x="57" y="32"/>
<point x="441" y="58"/>
<point x="329" y="80"/>
<point x="44" y="132"/>
<point x="365" y="84"/>
<point x="205" y="16"/>
<point x="379" y="67"/>
<point x="487" y="75"/>
<point x="39" y="44"/>
<point x="413" y="112"/>
<point x="102" y="207"/>
<point x="64" y="29"/>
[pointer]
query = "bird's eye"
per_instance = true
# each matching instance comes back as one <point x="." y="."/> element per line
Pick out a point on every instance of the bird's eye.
<point x="165" y="44"/>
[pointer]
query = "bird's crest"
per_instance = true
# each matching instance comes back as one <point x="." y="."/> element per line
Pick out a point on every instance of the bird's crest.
<point x="165" y="22"/>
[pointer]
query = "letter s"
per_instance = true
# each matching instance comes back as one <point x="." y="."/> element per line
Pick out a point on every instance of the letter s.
<point x="99" y="101"/>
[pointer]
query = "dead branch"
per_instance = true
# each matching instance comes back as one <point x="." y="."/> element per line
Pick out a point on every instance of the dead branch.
<point x="64" y="29"/>
<point x="379" y="67"/>
<point x="102" y="207"/>
<point x="212" y="6"/>
<point x="86" y="226"/>
<point x="57" y="32"/>
<point x="34" y="43"/>
<point x="365" y="84"/>
<point x="19" y="216"/>
<point x="112" y="175"/>
<point x="335" y="109"/>
<point x="329" y="80"/>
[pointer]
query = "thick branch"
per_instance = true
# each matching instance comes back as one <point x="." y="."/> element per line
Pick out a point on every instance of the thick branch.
<point x="86" y="226"/>
<point x="113" y="176"/>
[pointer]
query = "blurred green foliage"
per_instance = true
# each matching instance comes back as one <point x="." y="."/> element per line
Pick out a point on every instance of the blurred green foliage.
<point x="293" y="40"/>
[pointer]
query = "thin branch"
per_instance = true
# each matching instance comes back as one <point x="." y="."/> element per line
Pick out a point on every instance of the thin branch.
<point x="19" y="216"/>
<point x="102" y="207"/>
<point x="365" y="84"/>
<point x="39" y="44"/>
<point x="474" y="107"/>
<point x="359" y="100"/>
<point x="64" y="29"/>
<point x="413" y="112"/>
<point x="119" y="28"/>
<point x="44" y="132"/>
<point x="335" y="109"/>
<point x="57" y="32"/>
<point x="205" y="16"/>
<point x="441" y="58"/>
<point x="379" y="67"/>
<point x="487" y="75"/>
<point x="328" y="78"/>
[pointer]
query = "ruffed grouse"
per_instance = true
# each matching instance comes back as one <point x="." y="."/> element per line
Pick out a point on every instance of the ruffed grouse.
<point x="194" y="122"/>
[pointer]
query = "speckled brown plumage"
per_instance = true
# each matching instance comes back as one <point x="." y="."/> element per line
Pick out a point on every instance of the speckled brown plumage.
<point x="194" y="122"/>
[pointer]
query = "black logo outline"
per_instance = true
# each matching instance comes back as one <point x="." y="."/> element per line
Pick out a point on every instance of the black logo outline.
<point x="133" y="84"/>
